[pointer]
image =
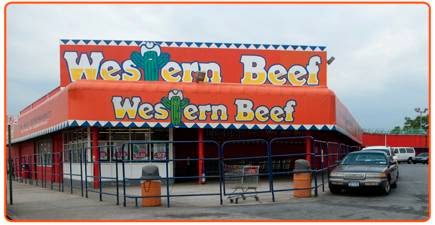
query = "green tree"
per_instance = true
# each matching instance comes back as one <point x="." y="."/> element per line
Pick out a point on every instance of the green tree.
<point x="396" y="130"/>
<point x="412" y="125"/>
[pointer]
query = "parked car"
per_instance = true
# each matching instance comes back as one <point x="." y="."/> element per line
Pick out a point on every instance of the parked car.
<point x="421" y="158"/>
<point x="404" y="154"/>
<point x="389" y="151"/>
<point x="364" y="169"/>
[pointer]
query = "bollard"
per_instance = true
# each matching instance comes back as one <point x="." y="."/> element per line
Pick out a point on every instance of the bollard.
<point x="302" y="179"/>
<point x="150" y="186"/>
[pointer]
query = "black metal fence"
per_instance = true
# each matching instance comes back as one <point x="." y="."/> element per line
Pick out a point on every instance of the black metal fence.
<point x="76" y="168"/>
<point x="44" y="170"/>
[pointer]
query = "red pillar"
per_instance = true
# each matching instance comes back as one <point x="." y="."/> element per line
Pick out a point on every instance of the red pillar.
<point x="95" y="156"/>
<point x="201" y="171"/>
<point x="308" y="142"/>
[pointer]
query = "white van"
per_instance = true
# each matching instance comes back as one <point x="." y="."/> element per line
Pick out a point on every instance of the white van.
<point x="388" y="150"/>
<point x="404" y="154"/>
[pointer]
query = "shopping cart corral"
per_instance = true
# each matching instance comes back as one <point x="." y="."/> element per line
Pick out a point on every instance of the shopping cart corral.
<point x="243" y="180"/>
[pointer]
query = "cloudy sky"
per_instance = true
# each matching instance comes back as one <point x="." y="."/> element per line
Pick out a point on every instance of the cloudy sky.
<point x="380" y="72"/>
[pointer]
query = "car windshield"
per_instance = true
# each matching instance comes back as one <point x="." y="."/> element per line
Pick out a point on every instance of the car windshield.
<point x="382" y="150"/>
<point x="365" y="159"/>
<point x="422" y="154"/>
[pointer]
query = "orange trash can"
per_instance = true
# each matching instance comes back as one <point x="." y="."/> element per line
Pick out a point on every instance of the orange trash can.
<point x="151" y="188"/>
<point x="302" y="179"/>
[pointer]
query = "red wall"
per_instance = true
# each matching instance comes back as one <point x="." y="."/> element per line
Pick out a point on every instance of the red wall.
<point x="22" y="154"/>
<point x="396" y="140"/>
<point x="25" y="153"/>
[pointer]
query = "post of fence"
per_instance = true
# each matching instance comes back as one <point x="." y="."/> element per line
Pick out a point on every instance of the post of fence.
<point x="70" y="171"/>
<point x="270" y="170"/>
<point x="59" y="160"/>
<point x="323" y="170"/>
<point x="308" y="148"/>
<point x="86" y="171"/>
<point x="35" y="168"/>
<point x="117" y="178"/>
<point x="32" y="175"/>
<point x="29" y="159"/>
<point x="21" y="170"/>
<point x="26" y="180"/>
<point x="41" y="165"/>
<point x="40" y="169"/>
<point x="220" y="162"/>
<point x="123" y="182"/>
<point x="61" y="170"/>
<point x="315" y="183"/>
<point x="81" y="170"/>
<point x="45" y="170"/>
<point x="327" y="161"/>
<point x="167" y="176"/>
<point x="222" y="153"/>
<point x="99" y="175"/>
<point x="32" y="157"/>
<point x="11" y="200"/>
<point x="52" y="170"/>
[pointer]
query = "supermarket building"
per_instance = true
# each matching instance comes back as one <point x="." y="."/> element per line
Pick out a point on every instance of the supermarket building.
<point x="129" y="93"/>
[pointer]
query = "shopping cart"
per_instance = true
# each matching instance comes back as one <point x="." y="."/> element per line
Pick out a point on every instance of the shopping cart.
<point x="242" y="179"/>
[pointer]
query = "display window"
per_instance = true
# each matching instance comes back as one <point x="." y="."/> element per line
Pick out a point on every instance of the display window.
<point x="45" y="151"/>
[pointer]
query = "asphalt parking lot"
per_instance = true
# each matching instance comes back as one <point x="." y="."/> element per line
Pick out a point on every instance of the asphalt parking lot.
<point x="408" y="202"/>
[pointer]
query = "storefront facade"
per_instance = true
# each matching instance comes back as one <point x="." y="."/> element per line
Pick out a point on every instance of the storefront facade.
<point x="118" y="99"/>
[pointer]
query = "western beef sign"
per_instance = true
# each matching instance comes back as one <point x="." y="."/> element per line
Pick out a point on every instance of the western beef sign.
<point x="256" y="64"/>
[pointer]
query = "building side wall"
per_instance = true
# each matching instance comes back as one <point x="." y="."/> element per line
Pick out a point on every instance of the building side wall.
<point x="419" y="142"/>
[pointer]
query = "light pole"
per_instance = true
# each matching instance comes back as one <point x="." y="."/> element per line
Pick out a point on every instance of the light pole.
<point x="421" y="111"/>
<point x="10" y="165"/>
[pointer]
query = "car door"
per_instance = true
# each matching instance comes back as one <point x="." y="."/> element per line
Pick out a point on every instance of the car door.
<point x="402" y="154"/>
<point x="393" y="169"/>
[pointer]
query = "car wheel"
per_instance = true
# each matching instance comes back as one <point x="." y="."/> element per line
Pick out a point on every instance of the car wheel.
<point x="386" y="188"/>
<point x="409" y="161"/>
<point x="334" y="190"/>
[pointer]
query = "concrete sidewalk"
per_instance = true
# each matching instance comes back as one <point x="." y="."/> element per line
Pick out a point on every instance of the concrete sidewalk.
<point x="33" y="202"/>
<point x="408" y="202"/>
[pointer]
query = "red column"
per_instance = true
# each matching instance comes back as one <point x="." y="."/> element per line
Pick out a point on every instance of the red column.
<point x="201" y="171"/>
<point x="308" y="142"/>
<point x="95" y="156"/>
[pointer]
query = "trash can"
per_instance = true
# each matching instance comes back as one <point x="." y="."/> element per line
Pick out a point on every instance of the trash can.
<point x="302" y="179"/>
<point x="150" y="186"/>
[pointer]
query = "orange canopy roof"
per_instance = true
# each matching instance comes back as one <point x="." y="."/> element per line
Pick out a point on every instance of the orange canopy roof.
<point x="190" y="105"/>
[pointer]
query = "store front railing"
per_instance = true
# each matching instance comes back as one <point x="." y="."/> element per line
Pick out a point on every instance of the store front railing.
<point x="267" y="161"/>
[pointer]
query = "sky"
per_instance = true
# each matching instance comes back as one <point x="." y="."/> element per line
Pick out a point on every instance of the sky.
<point x="380" y="70"/>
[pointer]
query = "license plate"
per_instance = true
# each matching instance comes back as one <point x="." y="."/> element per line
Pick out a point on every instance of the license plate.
<point x="353" y="184"/>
